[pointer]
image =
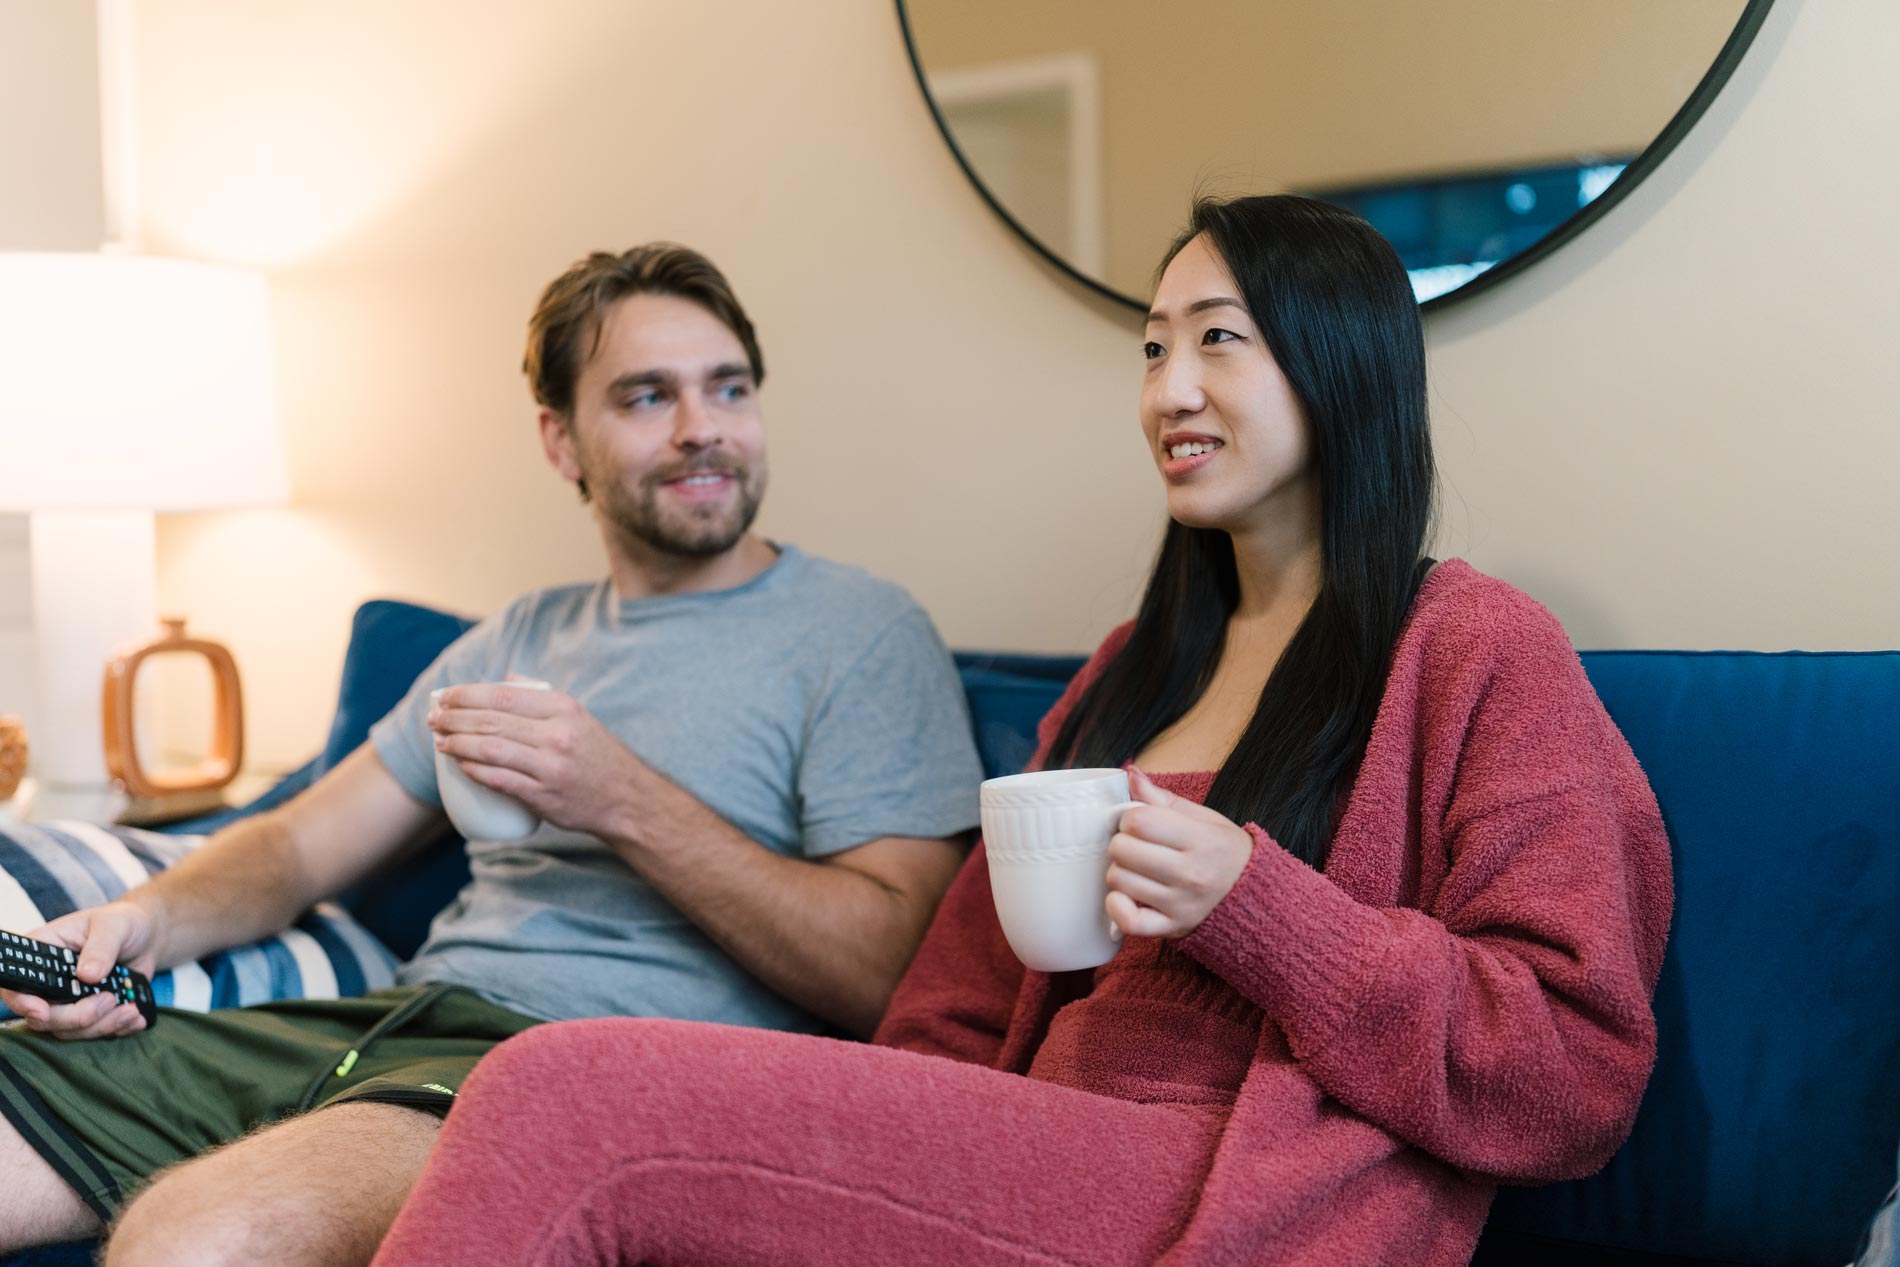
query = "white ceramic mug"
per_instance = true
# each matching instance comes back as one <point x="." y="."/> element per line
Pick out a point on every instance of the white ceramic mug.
<point x="481" y="813"/>
<point x="1046" y="835"/>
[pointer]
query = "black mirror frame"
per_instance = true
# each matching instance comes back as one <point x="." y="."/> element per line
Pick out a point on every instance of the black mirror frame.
<point x="1642" y="165"/>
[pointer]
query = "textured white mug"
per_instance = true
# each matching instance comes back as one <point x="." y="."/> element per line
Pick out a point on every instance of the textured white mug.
<point x="1046" y="835"/>
<point x="481" y="813"/>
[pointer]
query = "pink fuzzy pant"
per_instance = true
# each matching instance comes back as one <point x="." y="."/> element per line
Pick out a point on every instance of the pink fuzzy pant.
<point x="685" y="1145"/>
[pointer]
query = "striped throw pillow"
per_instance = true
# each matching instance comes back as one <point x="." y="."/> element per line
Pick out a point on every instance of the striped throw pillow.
<point x="51" y="869"/>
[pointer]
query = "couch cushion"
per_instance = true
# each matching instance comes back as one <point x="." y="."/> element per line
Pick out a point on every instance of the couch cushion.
<point x="1008" y="695"/>
<point x="52" y="869"/>
<point x="1768" y="1131"/>
<point x="391" y="643"/>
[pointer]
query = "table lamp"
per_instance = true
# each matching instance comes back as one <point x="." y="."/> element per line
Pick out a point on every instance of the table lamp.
<point x="128" y="385"/>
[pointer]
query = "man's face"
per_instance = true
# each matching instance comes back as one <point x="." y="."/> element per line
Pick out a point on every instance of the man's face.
<point x="666" y="429"/>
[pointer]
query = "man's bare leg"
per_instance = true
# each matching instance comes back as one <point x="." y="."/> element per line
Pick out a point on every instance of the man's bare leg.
<point x="36" y="1205"/>
<point x="316" y="1191"/>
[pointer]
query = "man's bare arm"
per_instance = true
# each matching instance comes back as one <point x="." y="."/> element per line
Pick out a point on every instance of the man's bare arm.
<point x="248" y="881"/>
<point x="258" y="875"/>
<point x="832" y="935"/>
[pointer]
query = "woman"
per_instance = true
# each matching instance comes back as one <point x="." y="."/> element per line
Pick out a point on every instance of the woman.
<point x="1395" y="900"/>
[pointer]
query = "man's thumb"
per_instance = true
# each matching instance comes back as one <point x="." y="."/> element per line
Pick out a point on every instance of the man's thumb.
<point x="105" y="937"/>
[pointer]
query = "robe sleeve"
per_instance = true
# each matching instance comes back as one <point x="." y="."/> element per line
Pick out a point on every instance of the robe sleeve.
<point x="1506" y="1029"/>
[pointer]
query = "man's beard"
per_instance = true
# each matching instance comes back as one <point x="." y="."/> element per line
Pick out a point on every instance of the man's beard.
<point x="690" y="532"/>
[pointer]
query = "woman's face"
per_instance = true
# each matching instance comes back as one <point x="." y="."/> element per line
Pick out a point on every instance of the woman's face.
<point x="1222" y="422"/>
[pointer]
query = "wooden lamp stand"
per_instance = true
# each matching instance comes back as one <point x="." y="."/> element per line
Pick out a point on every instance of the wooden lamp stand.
<point x="158" y="795"/>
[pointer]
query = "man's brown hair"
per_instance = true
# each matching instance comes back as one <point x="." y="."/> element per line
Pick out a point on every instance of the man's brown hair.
<point x="565" y="328"/>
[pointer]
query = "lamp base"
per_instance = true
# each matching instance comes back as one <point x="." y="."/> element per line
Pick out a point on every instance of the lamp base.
<point x="38" y="802"/>
<point x="158" y="810"/>
<point x="94" y="591"/>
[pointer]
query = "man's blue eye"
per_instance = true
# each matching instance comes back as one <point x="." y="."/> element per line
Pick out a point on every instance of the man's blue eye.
<point x="643" y="400"/>
<point x="733" y="391"/>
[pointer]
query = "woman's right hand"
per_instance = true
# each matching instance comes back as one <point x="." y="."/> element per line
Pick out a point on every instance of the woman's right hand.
<point x="1172" y="862"/>
<point x="104" y="937"/>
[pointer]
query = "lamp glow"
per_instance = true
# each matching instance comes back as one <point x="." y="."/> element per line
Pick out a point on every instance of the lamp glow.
<point x="128" y="385"/>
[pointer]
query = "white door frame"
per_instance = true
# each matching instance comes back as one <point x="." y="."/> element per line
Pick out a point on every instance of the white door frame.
<point x="1074" y="78"/>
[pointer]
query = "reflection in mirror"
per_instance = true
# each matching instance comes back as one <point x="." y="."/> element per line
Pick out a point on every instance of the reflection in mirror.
<point x="1471" y="132"/>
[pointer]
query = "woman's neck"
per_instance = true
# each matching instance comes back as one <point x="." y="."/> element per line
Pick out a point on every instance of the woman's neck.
<point x="1276" y="591"/>
<point x="1279" y="575"/>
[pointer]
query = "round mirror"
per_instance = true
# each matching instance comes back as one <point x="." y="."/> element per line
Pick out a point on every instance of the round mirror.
<point x="1476" y="135"/>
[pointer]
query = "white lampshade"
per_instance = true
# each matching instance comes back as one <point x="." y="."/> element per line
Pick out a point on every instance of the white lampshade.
<point x="130" y="382"/>
<point x="128" y="385"/>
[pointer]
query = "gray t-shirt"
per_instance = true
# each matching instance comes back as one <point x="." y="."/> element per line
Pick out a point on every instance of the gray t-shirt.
<point x="814" y="708"/>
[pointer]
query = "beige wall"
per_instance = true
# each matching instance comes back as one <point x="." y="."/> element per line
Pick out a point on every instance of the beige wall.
<point x="49" y="131"/>
<point x="1310" y="94"/>
<point x="1680" y="431"/>
<point x="49" y="201"/>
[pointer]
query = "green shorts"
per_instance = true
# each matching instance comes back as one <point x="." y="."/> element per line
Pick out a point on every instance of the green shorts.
<point x="111" y="1113"/>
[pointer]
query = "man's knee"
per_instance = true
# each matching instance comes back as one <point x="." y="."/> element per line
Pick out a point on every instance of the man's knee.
<point x="322" y="1188"/>
<point x="180" y="1218"/>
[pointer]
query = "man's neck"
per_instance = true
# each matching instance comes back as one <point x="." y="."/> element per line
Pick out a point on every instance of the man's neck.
<point x="639" y="571"/>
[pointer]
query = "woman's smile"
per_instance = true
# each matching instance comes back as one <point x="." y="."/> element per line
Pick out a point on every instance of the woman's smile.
<point x="1183" y="452"/>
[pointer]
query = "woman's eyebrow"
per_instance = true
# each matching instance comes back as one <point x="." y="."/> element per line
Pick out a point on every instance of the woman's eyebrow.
<point x="1199" y="305"/>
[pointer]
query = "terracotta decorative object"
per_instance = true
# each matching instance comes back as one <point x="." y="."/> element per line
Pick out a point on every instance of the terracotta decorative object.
<point x="13" y="754"/>
<point x="227" y="735"/>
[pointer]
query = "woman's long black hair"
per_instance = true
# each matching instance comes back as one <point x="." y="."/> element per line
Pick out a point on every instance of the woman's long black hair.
<point x="1337" y="312"/>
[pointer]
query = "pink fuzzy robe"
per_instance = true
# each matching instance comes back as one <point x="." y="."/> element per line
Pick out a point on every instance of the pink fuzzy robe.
<point x="1334" y="1068"/>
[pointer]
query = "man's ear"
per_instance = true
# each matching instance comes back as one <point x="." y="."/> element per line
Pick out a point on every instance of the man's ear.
<point x="557" y="441"/>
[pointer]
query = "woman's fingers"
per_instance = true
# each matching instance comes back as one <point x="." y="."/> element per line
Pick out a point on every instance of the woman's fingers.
<point x="1145" y="789"/>
<point x="1162" y="825"/>
<point x="1144" y="890"/>
<point x="1143" y="857"/>
<point x="1172" y="861"/>
<point x="1136" y="920"/>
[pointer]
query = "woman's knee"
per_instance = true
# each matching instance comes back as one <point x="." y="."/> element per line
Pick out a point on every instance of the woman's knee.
<point x="565" y="1049"/>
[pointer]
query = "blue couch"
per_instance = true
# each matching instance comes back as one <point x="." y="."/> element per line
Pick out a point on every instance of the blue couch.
<point x="1767" y="1136"/>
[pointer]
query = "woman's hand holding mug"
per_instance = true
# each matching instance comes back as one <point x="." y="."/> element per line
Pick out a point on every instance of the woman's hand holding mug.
<point x="1171" y="863"/>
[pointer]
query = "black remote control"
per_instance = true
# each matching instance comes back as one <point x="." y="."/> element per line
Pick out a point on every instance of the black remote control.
<point x="45" y="970"/>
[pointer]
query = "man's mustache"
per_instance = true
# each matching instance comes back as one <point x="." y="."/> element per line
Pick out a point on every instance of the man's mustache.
<point x="697" y="466"/>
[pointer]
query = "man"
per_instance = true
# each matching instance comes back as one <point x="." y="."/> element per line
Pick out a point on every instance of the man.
<point x="754" y="775"/>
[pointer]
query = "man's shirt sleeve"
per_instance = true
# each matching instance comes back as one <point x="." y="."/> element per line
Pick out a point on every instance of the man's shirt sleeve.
<point x="889" y="752"/>
<point x="402" y="737"/>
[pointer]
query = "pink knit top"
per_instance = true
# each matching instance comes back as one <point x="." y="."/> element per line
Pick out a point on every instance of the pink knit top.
<point x="1462" y="997"/>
